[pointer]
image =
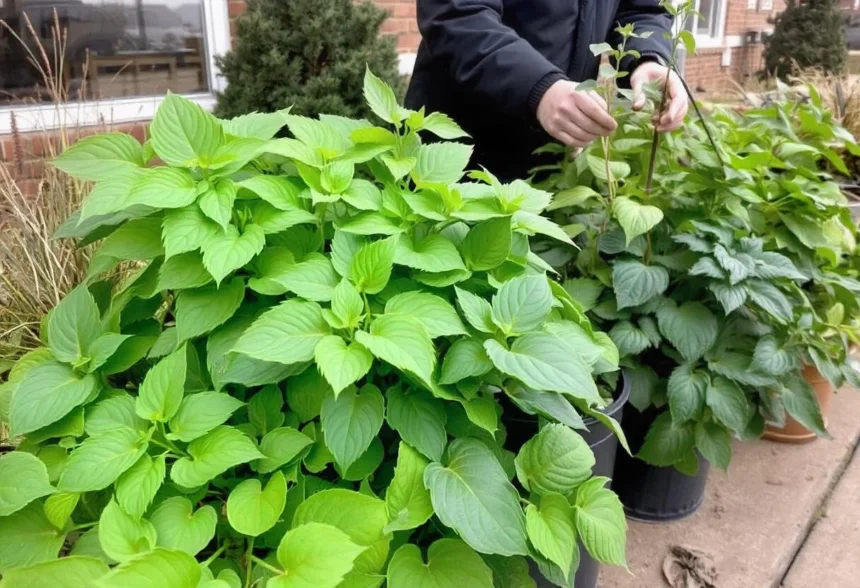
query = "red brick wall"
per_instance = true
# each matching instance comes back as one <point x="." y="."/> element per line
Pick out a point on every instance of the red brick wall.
<point x="402" y="23"/>
<point x="709" y="79"/>
<point x="740" y="18"/>
<point x="705" y="71"/>
<point x="25" y="154"/>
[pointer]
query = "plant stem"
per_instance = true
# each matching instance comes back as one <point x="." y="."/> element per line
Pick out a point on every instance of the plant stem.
<point x="655" y="142"/>
<point x="366" y="306"/>
<point x="610" y="180"/>
<point x="83" y="526"/>
<point x="322" y="213"/>
<point x="214" y="556"/>
<point x="648" y="248"/>
<point x="266" y="565"/>
<point x="249" y="557"/>
<point x="167" y="444"/>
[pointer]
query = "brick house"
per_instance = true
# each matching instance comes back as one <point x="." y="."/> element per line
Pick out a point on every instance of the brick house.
<point x="181" y="38"/>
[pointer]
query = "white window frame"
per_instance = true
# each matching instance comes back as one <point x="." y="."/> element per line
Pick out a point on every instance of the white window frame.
<point x="46" y="117"/>
<point x="708" y="41"/>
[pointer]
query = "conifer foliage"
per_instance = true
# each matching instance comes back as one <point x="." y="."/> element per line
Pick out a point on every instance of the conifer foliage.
<point x="308" y="54"/>
<point x="808" y="34"/>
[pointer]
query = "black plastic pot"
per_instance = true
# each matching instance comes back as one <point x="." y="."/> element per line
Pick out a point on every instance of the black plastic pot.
<point x="650" y="493"/>
<point x="604" y="444"/>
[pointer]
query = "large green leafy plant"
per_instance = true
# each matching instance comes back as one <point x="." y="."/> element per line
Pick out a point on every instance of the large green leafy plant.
<point x="303" y="384"/>
<point x="716" y="283"/>
<point x="797" y="206"/>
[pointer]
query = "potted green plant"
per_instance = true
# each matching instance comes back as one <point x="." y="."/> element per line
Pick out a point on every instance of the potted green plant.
<point x="671" y="266"/>
<point x="796" y="204"/>
<point x="301" y="382"/>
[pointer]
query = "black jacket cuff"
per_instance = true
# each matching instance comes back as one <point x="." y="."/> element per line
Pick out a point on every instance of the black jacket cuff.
<point x="540" y="88"/>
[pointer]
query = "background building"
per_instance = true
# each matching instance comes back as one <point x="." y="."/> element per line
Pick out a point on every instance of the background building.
<point x="121" y="57"/>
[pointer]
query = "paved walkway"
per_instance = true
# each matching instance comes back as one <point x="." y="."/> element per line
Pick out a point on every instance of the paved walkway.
<point x="783" y="516"/>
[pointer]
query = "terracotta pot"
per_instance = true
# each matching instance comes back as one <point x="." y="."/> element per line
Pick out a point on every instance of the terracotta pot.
<point x="793" y="431"/>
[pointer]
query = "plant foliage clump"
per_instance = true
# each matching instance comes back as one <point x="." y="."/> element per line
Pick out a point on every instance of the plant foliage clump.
<point x="808" y="34"/>
<point x="720" y="282"/>
<point x="303" y="386"/>
<point x="306" y="54"/>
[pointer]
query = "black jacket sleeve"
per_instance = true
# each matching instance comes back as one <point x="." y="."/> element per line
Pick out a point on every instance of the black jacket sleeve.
<point x="484" y="55"/>
<point x="644" y="15"/>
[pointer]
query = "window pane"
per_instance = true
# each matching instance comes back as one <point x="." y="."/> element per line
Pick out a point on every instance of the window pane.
<point x="108" y="49"/>
<point x="707" y="24"/>
<point x="702" y="26"/>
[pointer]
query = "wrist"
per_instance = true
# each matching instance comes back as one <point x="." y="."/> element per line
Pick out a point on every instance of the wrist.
<point x="653" y="58"/>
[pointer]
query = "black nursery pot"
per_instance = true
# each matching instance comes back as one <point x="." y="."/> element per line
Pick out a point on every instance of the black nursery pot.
<point x="650" y="493"/>
<point x="604" y="444"/>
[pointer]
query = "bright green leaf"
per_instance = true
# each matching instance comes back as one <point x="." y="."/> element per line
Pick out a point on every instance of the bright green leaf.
<point x="636" y="283"/>
<point x="371" y="266"/>
<point x="635" y="218"/>
<point x="23" y="479"/>
<point x="315" y="555"/>
<point x="98" y="461"/>
<point x="550" y="529"/>
<point x="287" y="333"/>
<point x="123" y="536"/>
<point x="350" y="421"/>
<point x="163" y="387"/>
<point x="522" y="304"/>
<point x="279" y="447"/>
<point x="200" y="413"/>
<point x="136" y="488"/>
<point x="545" y="362"/>
<point x="436" y="314"/>
<point x="160" y="568"/>
<point x="600" y="522"/>
<point x="183" y="134"/>
<point x="472" y="495"/>
<point x="230" y="251"/>
<point x="182" y="528"/>
<point x="403" y="342"/>
<point x="67" y="572"/>
<point x="200" y="310"/>
<point x="47" y="393"/>
<point x="340" y="363"/>
<point x="253" y="510"/>
<point x="556" y="460"/>
<point x="407" y="500"/>
<point x="213" y="454"/>
<point x="450" y="564"/>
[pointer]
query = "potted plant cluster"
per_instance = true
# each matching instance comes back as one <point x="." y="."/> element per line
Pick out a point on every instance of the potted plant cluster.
<point x="306" y="378"/>
<point x="809" y="222"/>
<point x="722" y="266"/>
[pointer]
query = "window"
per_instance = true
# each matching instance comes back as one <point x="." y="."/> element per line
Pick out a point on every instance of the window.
<point x="708" y="24"/>
<point x="119" y="54"/>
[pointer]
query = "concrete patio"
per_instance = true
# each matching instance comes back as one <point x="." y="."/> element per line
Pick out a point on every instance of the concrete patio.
<point x="784" y="516"/>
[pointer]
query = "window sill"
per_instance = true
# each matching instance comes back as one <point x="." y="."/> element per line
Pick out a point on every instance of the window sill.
<point x="47" y="117"/>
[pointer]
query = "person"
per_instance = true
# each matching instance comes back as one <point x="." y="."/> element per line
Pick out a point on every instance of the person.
<point x="507" y="71"/>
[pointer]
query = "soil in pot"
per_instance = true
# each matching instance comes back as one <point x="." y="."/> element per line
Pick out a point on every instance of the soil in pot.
<point x="604" y="444"/>
<point x="650" y="493"/>
<point x="792" y="431"/>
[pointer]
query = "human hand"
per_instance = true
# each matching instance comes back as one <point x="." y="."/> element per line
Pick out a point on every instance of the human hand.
<point x="676" y="99"/>
<point x="572" y="116"/>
